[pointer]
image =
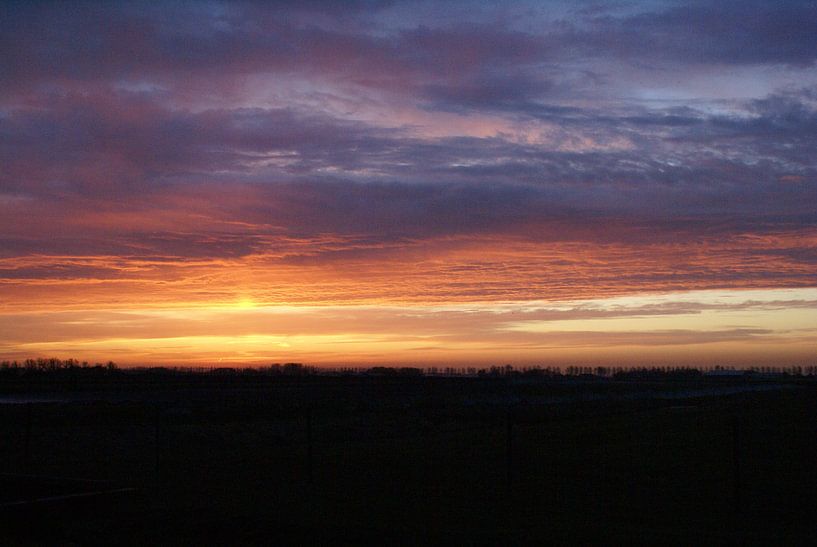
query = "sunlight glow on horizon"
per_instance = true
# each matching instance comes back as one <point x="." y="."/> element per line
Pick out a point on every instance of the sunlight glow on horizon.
<point x="668" y="328"/>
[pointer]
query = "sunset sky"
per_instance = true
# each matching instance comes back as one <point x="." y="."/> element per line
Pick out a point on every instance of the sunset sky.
<point x="409" y="182"/>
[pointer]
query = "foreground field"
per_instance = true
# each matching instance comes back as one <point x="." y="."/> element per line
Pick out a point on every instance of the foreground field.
<point x="408" y="460"/>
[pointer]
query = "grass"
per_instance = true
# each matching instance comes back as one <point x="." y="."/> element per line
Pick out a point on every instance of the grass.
<point x="408" y="464"/>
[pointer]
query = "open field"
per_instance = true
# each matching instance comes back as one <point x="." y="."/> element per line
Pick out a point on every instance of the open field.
<point x="462" y="460"/>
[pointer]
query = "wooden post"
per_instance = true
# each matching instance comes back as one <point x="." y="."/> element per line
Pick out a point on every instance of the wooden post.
<point x="310" y="474"/>
<point x="736" y="463"/>
<point x="309" y="467"/>
<point x="509" y="451"/>
<point x="27" y="439"/>
<point x="631" y="453"/>
<point x="157" y="440"/>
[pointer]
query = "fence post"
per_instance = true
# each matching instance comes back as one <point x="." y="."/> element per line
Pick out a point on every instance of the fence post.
<point x="311" y="516"/>
<point x="27" y="439"/>
<point x="157" y="440"/>
<point x="736" y="463"/>
<point x="309" y="466"/>
<point x="631" y="455"/>
<point x="509" y="451"/>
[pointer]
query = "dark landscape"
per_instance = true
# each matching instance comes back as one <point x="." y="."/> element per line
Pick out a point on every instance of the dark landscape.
<point x="101" y="456"/>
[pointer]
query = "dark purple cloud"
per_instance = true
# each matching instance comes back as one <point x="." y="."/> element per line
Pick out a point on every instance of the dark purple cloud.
<point x="321" y="135"/>
<point x="729" y="32"/>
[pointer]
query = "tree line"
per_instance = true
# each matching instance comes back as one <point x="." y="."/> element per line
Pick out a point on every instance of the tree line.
<point x="53" y="365"/>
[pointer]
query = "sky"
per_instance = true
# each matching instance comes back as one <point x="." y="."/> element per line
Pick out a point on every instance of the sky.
<point x="409" y="182"/>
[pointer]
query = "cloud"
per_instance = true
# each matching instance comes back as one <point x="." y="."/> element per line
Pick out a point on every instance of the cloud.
<point x="726" y="33"/>
<point x="392" y="152"/>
